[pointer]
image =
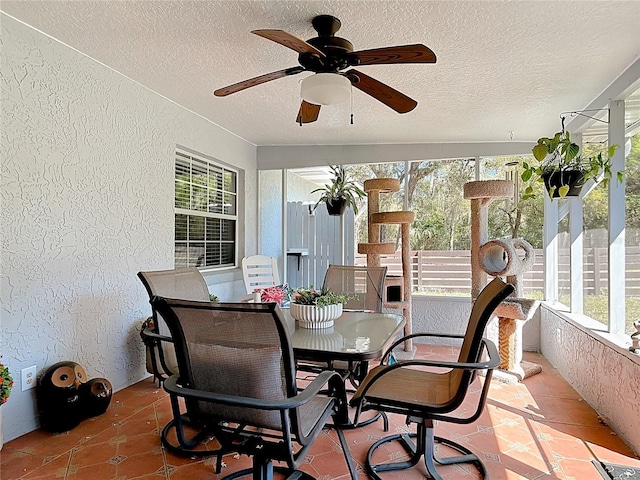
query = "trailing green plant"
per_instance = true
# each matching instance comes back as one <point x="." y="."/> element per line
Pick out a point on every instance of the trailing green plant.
<point x="561" y="154"/>
<point x="321" y="298"/>
<point x="341" y="186"/>
<point x="6" y="383"/>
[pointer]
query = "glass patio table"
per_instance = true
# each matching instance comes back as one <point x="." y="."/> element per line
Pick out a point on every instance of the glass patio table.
<point x="355" y="337"/>
<point x="347" y="347"/>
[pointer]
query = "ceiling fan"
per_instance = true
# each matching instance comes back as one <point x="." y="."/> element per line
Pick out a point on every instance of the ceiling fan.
<point x="328" y="54"/>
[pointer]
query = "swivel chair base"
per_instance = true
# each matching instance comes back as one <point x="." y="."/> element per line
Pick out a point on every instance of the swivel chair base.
<point x="265" y="472"/>
<point x="186" y="447"/>
<point x="425" y="448"/>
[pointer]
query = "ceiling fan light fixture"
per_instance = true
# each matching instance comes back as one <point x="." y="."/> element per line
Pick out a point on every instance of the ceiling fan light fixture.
<point x="326" y="89"/>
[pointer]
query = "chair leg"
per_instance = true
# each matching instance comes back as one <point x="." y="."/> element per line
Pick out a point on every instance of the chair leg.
<point x="425" y="447"/>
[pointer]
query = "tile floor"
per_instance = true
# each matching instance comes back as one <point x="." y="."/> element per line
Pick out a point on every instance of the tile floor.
<point x="539" y="429"/>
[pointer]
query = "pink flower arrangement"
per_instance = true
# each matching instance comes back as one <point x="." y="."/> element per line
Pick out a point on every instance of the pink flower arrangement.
<point x="278" y="294"/>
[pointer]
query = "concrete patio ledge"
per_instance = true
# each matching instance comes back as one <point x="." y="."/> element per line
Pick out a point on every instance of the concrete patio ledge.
<point x="597" y="365"/>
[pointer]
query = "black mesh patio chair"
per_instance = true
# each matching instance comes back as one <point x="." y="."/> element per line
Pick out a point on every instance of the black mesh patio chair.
<point x="366" y="284"/>
<point x="183" y="283"/>
<point x="413" y="388"/>
<point x="237" y="380"/>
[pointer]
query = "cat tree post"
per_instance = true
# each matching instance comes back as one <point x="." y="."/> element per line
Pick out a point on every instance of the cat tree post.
<point x="374" y="248"/>
<point x="501" y="258"/>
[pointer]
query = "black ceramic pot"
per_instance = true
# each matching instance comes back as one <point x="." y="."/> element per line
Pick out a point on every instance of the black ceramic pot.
<point x="573" y="178"/>
<point x="336" y="206"/>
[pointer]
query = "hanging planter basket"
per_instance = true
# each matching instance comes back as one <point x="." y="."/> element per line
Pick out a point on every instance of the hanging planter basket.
<point x="554" y="180"/>
<point x="336" y="206"/>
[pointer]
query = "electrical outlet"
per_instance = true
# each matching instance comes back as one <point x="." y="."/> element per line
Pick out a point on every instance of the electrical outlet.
<point x="28" y="377"/>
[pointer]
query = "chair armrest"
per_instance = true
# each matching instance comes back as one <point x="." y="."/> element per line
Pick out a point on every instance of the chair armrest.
<point x="416" y="335"/>
<point x="250" y="298"/>
<point x="490" y="364"/>
<point x="150" y="334"/>
<point x="171" y="386"/>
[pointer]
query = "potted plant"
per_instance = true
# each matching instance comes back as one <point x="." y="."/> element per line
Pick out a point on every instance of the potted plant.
<point x="6" y="383"/>
<point x="317" y="308"/>
<point x="341" y="193"/>
<point x="563" y="169"/>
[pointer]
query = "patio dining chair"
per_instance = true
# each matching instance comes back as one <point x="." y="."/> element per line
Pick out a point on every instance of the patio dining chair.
<point x="366" y="285"/>
<point x="413" y="388"/>
<point x="182" y="283"/>
<point x="258" y="272"/>
<point x="237" y="381"/>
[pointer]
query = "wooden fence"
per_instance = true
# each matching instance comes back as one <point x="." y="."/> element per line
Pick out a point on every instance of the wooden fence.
<point x="315" y="240"/>
<point x="448" y="271"/>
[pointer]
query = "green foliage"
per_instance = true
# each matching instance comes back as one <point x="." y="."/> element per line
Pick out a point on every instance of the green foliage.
<point x="560" y="154"/>
<point x="213" y="298"/>
<point x="6" y="384"/>
<point x="321" y="298"/>
<point x="340" y="187"/>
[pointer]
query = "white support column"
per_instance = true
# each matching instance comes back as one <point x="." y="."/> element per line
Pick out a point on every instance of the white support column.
<point x="405" y="194"/>
<point x="285" y="246"/>
<point x="617" y="221"/>
<point x="576" y="253"/>
<point x="576" y="250"/>
<point x="550" y="246"/>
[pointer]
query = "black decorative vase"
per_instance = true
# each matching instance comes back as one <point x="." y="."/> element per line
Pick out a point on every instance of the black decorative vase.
<point x="573" y="178"/>
<point x="336" y="206"/>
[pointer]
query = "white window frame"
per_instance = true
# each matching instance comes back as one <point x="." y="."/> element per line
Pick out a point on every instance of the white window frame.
<point x="214" y="193"/>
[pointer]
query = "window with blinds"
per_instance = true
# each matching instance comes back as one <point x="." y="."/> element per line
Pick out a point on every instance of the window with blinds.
<point x="206" y="213"/>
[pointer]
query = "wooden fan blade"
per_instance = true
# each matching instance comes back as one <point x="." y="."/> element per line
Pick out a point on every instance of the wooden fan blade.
<point x="252" y="82"/>
<point x="308" y="112"/>
<point x="399" y="54"/>
<point x="384" y="93"/>
<point x="289" y="41"/>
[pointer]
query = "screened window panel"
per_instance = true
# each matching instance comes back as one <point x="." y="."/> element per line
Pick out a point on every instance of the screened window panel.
<point x="215" y="201"/>
<point x="230" y="181"/>
<point x="213" y="229"/>
<point x="181" y="228"/>
<point x="227" y="254"/>
<point x="228" y="230"/>
<point x="229" y="204"/>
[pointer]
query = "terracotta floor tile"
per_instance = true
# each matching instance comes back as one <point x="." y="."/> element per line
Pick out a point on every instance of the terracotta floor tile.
<point x="54" y="468"/>
<point x="537" y="429"/>
<point x="136" y="445"/>
<point x="94" y="472"/>
<point x="138" y="465"/>
<point x="15" y="464"/>
<point x="90" y="455"/>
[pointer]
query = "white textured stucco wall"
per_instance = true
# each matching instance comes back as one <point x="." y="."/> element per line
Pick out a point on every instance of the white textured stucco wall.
<point x="271" y="222"/>
<point x="87" y="201"/>
<point x="605" y="375"/>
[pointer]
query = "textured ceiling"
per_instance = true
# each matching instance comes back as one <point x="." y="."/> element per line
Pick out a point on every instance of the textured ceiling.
<point x="503" y="66"/>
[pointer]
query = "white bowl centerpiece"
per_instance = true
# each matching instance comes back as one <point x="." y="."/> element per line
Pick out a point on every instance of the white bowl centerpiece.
<point x="317" y="308"/>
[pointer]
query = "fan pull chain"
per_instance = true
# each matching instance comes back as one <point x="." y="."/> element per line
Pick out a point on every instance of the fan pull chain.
<point x="351" y="98"/>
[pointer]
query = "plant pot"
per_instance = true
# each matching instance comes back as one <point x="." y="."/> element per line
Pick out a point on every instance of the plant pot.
<point x="573" y="178"/>
<point x="312" y="316"/>
<point x="336" y="206"/>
